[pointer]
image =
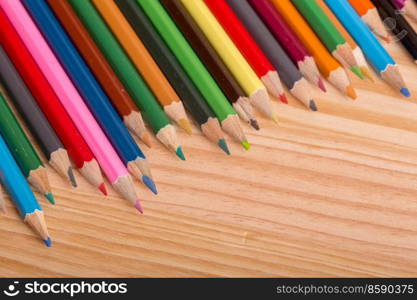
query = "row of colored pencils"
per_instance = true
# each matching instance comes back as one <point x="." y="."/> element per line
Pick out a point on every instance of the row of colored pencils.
<point x="86" y="75"/>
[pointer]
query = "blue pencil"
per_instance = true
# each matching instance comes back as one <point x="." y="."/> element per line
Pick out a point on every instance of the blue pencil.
<point x="91" y="91"/>
<point x="18" y="188"/>
<point x="373" y="50"/>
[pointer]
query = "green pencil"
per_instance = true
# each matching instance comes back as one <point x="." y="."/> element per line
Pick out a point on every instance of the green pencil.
<point x="23" y="152"/>
<point x="195" y="69"/>
<point x="128" y="75"/>
<point x="329" y="34"/>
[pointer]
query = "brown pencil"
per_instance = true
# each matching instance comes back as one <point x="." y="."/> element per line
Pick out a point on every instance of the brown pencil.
<point x="102" y="70"/>
<point x="144" y="62"/>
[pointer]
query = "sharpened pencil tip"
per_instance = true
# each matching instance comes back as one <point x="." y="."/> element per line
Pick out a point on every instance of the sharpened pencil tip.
<point x="283" y="98"/>
<point x="71" y="177"/>
<point x="386" y="38"/>
<point x="405" y="92"/>
<point x="138" y="206"/>
<point x="367" y="73"/>
<point x="179" y="153"/>
<point x="103" y="189"/>
<point x="223" y="145"/>
<point x="350" y="91"/>
<point x="320" y="84"/>
<point x="146" y="138"/>
<point x="254" y="124"/>
<point x="357" y="71"/>
<point x="48" y="242"/>
<point x="50" y="198"/>
<point x="150" y="184"/>
<point x="313" y="105"/>
<point x="186" y="126"/>
<point x="245" y="145"/>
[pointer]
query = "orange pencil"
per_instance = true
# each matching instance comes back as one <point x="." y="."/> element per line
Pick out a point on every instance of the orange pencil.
<point x="329" y="66"/>
<point x="357" y="51"/>
<point x="369" y="14"/>
<point x="144" y="62"/>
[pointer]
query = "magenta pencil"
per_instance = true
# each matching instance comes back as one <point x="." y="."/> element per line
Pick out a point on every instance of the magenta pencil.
<point x="288" y="40"/>
<point x="107" y="157"/>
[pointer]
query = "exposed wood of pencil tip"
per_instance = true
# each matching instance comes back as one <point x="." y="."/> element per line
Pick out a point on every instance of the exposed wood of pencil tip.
<point x="341" y="81"/>
<point x="245" y="111"/>
<point x="176" y="112"/>
<point x="39" y="180"/>
<point x="212" y="130"/>
<point x="168" y="137"/>
<point x="309" y="70"/>
<point x="2" y="200"/>
<point x="302" y="91"/>
<point x="126" y="188"/>
<point x="231" y="126"/>
<point x="92" y="172"/>
<point x="136" y="125"/>
<point x="260" y="99"/>
<point x="363" y="65"/>
<point x="375" y="23"/>
<point x="273" y="83"/>
<point x="60" y="161"/>
<point x="393" y="76"/>
<point x="36" y="221"/>
<point x="139" y="167"/>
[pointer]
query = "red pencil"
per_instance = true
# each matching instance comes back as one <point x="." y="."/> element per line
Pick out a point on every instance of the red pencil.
<point x="57" y="116"/>
<point x="247" y="46"/>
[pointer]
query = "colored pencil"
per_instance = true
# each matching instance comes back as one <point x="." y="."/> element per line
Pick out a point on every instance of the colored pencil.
<point x="16" y="185"/>
<point x="144" y="62"/>
<point x="2" y="200"/>
<point x="49" y="103"/>
<point x="195" y="69"/>
<point x="328" y="34"/>
<point x="129" y="76"/>
<point x="375" y="53"/>
<point x="191" y="97"/>
<point x="289" y="73"/>
<point x="98" y="64"/>
<point x="231" y="56"/>
<point x="23" y="151"/>
<point x="357" y="51"/>
<point x="402" y="30"/>
<point x="409" y="8"/>
<point x="107" y="157"/>
<point x="369" y="14"/>
<point x="95" y="98"/>
<point x="288" y="41"/>
<point x="49" y="142"/>
<point x="247" y="46"/>
<point x="214" y="64"/>
<point x="328" y="66"/>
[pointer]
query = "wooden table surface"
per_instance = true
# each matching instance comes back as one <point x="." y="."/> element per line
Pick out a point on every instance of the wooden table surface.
<point x="332" y="193"/>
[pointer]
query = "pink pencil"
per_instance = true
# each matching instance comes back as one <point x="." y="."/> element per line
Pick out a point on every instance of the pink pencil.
<point x="107" y="157"/>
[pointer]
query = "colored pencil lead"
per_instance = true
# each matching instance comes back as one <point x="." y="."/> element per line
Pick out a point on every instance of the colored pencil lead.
<point x="71" y="177"/>
<point x="312" y="105"/>
<point x="48" y="242"/>
<point x="179" y="153"/>
<point x="150" y="184"/>
<point x="50" y="198"/>
<point x="103" y="189"/>
<point x="245" y="145"/>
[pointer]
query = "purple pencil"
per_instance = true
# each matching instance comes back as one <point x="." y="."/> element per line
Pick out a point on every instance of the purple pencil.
<point x="289" y="41"/>
<point x="408" y="7"/>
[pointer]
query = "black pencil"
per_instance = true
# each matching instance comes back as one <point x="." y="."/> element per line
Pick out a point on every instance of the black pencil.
<point x="39" y="126"/>
<point x="402" y="30"/>
<point x="191" y="97"/>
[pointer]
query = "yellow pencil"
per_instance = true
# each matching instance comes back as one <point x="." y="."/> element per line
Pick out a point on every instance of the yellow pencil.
<point x="231" y="56"/>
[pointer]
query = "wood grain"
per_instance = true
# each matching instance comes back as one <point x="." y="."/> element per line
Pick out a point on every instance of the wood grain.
<point x="332" y="193"/>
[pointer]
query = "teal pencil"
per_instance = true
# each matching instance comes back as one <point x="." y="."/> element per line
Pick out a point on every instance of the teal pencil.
<point x="15" y="184"/>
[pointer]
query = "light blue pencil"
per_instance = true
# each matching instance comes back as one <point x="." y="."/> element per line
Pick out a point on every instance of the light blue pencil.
<point x="16" y="185"/>
<point x="380" y="59"/>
